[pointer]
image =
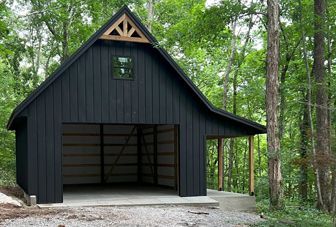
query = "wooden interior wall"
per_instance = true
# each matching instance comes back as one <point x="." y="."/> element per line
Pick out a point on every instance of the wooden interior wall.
<point x="120" y="153"/>
<point x="166" y="155"/>
<point x="159" y="155"/>
<point x="147" y="157"/>
<point x="83" y="154"/>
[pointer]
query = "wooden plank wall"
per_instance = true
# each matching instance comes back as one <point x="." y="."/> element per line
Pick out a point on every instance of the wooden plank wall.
<point x="166" y="156"/>
<point x="81" y="154"/>
<point x="120" y="151"/>
<point x="147" y="157"/>
<point x="159" y="156"/>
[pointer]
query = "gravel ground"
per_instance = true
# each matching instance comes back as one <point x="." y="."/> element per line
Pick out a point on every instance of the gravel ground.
<point x="131" y="216"/>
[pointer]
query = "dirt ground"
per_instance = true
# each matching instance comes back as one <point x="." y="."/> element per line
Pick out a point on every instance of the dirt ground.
<point x="11" y="212"/>
<point x="12" y="191"/>
<point x="11" y="215"/>
<point x="125" y="216"/>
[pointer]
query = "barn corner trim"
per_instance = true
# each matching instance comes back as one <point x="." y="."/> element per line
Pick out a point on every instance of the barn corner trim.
<point x="146" y="37"/>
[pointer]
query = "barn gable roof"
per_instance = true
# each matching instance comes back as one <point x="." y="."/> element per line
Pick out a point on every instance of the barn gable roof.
<point x="145" y="35"/>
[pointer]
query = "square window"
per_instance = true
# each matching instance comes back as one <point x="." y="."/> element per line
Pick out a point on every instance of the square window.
<point x="122" y="67"/>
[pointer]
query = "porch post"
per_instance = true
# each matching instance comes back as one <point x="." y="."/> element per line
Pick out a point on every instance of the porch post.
<point x="251" y="165"/>
<point x="220" y="164"/>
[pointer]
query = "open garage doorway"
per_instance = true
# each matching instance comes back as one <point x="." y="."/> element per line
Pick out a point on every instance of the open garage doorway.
<point x="115" y="160"/>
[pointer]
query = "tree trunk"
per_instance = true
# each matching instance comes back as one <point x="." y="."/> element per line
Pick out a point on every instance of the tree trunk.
<point x="236" y="163"/>
<point x="282" y="96"/>
<point x="245" y="170"/>
<point x="230" y="165"/>
<point x="304" y="131"/>
<point x="272" y="102"/>
<point x="333" y="155"/>
<point x="333" y="191"/>
<point x="229" y="66"/>
<point x="150" y="9"/>
<point x="284" y="70"/>
<point x="309" y="106"/>
<point x="232" y="140"/>
<point x="259" y="156"/>
<point x="234" y="104"/>
<point x="322" y="142"/>
<point x="65" y="38"/>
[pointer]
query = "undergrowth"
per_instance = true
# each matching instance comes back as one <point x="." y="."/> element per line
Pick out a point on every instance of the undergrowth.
<point x="294" y="215"/>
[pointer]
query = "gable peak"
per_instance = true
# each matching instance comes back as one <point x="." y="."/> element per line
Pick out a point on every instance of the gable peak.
<point x="124" y="29"/>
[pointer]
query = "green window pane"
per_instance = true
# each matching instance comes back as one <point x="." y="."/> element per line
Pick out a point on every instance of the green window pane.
<point x="122" y="67"/>
<point x="121" y="73"/>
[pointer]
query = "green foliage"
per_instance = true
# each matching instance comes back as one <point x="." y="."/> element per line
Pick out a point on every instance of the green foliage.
<point x="7" y="159"/>
<point x="294" y="215"/>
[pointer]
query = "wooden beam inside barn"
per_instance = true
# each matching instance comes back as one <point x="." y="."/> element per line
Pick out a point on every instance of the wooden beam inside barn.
<point x="251" y="165"/>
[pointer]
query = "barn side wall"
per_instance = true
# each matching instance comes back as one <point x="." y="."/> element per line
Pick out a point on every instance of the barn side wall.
<point x="22" y="155"/>
<point x="87" y="93"/>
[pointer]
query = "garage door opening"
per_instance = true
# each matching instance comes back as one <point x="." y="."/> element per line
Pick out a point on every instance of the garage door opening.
<point x="110" y="158"/>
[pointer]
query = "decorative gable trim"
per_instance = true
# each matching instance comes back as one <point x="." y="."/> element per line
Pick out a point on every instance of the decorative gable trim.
<point x="124" y="29"/>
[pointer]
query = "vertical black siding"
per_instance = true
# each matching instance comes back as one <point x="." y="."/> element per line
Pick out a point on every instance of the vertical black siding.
<point x="41" y="149"/>
<point x="22" y="155"/>
<point x="32" y="159"/>
<point x="50" y="141"/>
<point x="88" y="93"/>
<point x="81" y="90"/>
<point x="57" y="88"/>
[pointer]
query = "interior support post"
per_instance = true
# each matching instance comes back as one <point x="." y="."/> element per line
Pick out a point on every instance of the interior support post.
<point x="139" y="146"/>
<point x="155" y="161"/>
<point x="102" y="161"/>
<point x="251" y="165"/>
<point x="220" y="164"/>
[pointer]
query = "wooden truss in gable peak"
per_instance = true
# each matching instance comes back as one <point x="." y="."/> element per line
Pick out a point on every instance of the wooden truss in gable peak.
<point x="124" y="30"/>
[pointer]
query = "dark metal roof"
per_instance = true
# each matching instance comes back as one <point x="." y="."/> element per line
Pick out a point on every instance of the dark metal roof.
<point x="258" y="128"/>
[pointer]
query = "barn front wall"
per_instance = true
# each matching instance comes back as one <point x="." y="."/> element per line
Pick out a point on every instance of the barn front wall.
<point x="87" y="93"/>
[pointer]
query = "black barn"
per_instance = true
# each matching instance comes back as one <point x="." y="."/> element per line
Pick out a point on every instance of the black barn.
<point x="119" y="110"/>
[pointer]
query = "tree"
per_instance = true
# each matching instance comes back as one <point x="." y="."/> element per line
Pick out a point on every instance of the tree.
<point x="272" y="105"/>
<point x="150" y="17"/>
<point x="322" y="125"/>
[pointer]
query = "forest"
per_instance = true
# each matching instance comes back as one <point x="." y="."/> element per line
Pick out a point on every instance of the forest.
<point x="271" y="61"/>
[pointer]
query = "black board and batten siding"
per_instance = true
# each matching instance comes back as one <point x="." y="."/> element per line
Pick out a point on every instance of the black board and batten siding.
<point x="87" y="93"/>
<point x="22" y="154"/>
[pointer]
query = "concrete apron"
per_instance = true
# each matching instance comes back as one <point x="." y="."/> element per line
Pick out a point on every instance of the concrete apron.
<point x="224" y="200"/>
<point x="147" y="201"/>
<point x="230" y="201"/>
